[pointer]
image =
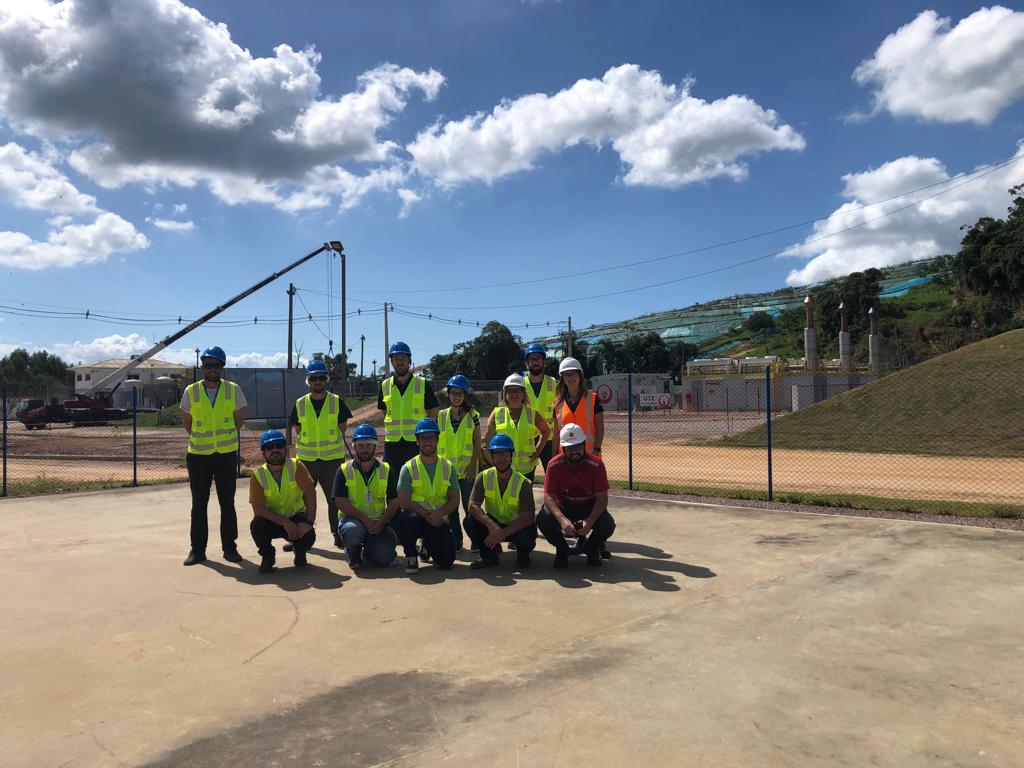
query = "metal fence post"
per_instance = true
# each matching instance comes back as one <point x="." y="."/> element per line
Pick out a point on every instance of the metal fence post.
<point x="629" y="426"/>
<point x="768" y="423"/>
<point x="135" y="436"/>
<point x="3" y="404"/>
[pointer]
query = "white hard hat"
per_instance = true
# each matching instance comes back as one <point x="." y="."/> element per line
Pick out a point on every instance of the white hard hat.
<point x="570" y="364"/>
<point x="572" y="434"/>
<point x="514" y="380"/>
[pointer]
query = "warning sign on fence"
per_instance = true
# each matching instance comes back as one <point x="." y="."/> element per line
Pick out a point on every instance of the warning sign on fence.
<point x="665" y="401"/>
<point x="604" y="394"/>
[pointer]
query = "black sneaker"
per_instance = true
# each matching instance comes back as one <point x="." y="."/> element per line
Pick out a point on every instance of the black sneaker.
<point x="484" y="562"/>
<point x="412" y="566"/>
<point x="300" y="558"/>
<point x="593" y="555"/>
<point x="355" y="561"/>
<point x="562" y="558"/>
<point x="195" y="556"/>
<point x="232" y="556"/>
<point x="337" y="541"/>
<point x="605" y="554"/>
<point x="267" y="563"/>
<point x="424" y="554"/>
<point x="288" y="547"/>
<point x="523" y="559"/>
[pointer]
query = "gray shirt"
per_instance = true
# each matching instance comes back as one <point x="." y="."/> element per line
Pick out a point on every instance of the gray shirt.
<point x="211" y="395"/>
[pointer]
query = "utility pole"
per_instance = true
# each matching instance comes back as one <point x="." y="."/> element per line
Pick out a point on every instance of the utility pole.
<point x="387" y="359"/>
<point x="569" y="337"/>
<point x="362" y="351"/>
<point x="291" y="301"/>
<point x="344" y="345"/>
<point x="373" y="373"/>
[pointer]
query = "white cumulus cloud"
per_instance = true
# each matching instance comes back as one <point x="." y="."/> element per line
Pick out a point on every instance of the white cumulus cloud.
<point x="665" y="136"/>
<point x="936" y="71"/>
<point x="170" y="225"/>
<point x="926" y="229"/>
<point x="123" y="346"/>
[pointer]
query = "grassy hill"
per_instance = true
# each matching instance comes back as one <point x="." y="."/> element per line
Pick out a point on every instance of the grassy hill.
<point x="969" y="402"/>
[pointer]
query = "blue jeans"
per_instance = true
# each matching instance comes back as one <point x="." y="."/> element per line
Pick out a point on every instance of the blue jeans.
<point x="379" y="548"/>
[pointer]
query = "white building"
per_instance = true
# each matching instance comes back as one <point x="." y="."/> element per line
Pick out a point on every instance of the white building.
<point x="148" y="371"/>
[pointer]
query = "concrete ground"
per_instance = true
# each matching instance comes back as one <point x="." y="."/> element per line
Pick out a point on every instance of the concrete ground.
<point x="716" y="636"/>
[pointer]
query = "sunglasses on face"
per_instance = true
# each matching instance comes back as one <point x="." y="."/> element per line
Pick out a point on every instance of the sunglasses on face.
<point x="274" y="446"/>
<point x="213" y="366"/>
<point x="316" y="379"/>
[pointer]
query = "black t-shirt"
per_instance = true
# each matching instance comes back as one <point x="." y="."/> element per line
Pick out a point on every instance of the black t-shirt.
<point x="344" y="414"/>
<point x="341" y="487"/>
<point x="429" y="398"/>
<point x="537" y="387"/>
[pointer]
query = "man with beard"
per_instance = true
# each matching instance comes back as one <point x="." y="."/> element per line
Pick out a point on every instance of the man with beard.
<point x="540" y="393"/>
<point x="428" y="491"/>
<point x="283" y="498"/>
<point x="405" y="400"/>
<point x="321" y="418"/>
<point x="212" y="411"/>
<point x="501" y="508"/>
<point x="575" y="499"/>
<point x="366" y="492"/>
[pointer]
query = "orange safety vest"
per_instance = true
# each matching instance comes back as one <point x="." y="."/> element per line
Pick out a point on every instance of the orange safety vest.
<point x="584" y="417"/>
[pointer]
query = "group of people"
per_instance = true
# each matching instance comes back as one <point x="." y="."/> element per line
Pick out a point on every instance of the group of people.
<point x="433" y="462"/>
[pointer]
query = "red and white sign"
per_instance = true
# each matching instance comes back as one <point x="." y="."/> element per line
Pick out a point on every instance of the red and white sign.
<point x="604" y="394"/>
<point x="665" y="401"/>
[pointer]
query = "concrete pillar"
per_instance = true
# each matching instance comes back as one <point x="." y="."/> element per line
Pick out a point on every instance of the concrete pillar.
<point x="874" y="344"/>
<point x="810" y="338"/>
<point x="845" y="355"/>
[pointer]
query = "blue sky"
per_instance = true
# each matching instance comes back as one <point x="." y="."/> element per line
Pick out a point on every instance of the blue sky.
<point x="156" y="158"/>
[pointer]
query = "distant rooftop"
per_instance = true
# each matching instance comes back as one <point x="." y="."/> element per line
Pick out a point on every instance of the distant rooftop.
<point x="117" y="362"/>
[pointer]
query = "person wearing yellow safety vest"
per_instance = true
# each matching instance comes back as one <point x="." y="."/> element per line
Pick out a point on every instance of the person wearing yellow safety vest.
<point x="320" y="419"/>
<point x="540" y="393"/>
<point x="428" y="491"/>
<point x="575" y="404"/>
<point x="520" y="422"/>
<point x="501" y="508"/>
<point x="366" y="492"/>
<point x="405" y="399"/>
<point x="459" y="442"/>
<point x="283" y="498"/>
<point x="212" y="412"/>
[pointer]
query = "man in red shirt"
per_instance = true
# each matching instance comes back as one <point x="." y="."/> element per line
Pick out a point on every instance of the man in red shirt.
<point x="575" y="499"/>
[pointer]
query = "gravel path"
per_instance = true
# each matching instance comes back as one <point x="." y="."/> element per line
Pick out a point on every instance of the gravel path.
<point x="1013" y="524"/>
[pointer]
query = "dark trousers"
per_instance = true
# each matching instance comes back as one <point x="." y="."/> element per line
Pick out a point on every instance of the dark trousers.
<point x="603" y="528"/>
<point x="525" y="539"/>
<point x="323" y="471"/>
<point x="465" y="486"/>
<point x="264" y="532"/>
<point x="397" y="453"/>
<point x="440" y="541"/>
<point x="219" y="469"/>
<point x="545" y="455"/>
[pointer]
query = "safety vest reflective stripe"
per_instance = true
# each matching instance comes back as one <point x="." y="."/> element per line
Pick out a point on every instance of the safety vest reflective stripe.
<point x="370" y="499"/>
<point x="584" y="417"/>
<point x="523" y="433"/>
<point x="503" y="507"/>
<point x="404" y="410"/>
<point x="544" y="403"/>
<point x="430" y="493"/>
<point x="284" y="499"/>
<point x="213" y="425"/>
<point x="457" y="445"/>
<point x="319" y="436"/>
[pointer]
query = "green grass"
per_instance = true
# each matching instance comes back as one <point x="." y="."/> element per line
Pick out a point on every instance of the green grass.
<point x="964" y="403"/>
<point x="44" y="485"/>
<point x="847" y="501"/>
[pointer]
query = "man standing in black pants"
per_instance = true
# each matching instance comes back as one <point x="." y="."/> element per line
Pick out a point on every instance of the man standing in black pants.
<point x="575" y="499"/>
<point x="213" y="411"/>
<point x="405" y="400"/>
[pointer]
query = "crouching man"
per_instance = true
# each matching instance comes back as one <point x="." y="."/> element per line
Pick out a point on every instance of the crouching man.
<point x="366" y="494"/>
<point x="283" y="498"/>
<point x="575" y="499"/>
<point x="501" y="508"/>
<point x="428" y="491"/>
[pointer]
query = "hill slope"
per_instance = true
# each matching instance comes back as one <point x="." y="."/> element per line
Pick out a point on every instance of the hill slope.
<point x="969" y="402"/>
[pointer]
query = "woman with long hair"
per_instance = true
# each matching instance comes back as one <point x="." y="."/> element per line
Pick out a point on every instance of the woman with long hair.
<point x="520" y="422"/>
<point x="459" y="442"/>
<point x="575" y="404"/>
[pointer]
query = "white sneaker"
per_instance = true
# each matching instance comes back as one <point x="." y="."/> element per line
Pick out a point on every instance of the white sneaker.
<point x="412" y="565"/>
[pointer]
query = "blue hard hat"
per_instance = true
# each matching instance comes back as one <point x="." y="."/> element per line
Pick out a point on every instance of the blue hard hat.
<point x="216" y="353"/>
<point x="535" y="347"/>
<point x="427" y="426"/>
<point x="316" y="367"/>
<point x="458" y="381"/>
<point x="364" y="432"/>
<point x="272" y="436"/>
<point x="501" y="443"/>
<point x="399" y="348"/>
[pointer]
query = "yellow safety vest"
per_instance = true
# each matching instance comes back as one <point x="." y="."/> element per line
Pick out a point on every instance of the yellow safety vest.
<point x="403" y="410"/>
<point x="319" y="436"/>
<point x="544" y="403"/>
<point x="432" y="494"/>
<point x="523" y="433"/>
<point x="370" y="499"/>
<point x="503" y="507"/>
<point x="284" y="499"/>
<point x="213" y="426"/>
<point x="457" y="446"/>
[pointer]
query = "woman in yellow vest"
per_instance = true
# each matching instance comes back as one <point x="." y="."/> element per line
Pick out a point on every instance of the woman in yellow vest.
<point x="501" y="508"/>
<point x="575" y="404"/>
<point x="459" y="442"/>
<point x="283" y="498"/>
<point x="527" y="428"/>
